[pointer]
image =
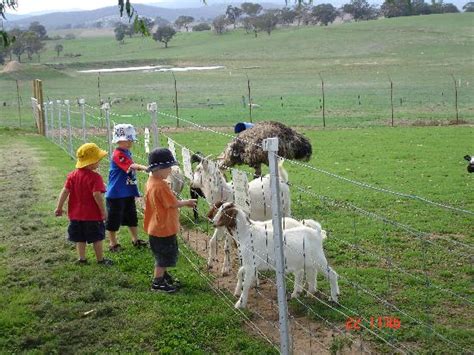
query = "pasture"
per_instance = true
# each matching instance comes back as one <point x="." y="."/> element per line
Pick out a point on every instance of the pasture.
<point x="354" y="59"/>
<point x="396" y="201"/>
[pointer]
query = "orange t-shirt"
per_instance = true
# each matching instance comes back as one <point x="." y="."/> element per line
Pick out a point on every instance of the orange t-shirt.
<point x="161" y="217"/>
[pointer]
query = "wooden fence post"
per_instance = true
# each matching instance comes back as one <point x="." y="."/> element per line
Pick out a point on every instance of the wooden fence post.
<point x="38" y="95"/>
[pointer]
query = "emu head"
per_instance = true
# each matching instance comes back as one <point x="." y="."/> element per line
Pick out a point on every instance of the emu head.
<point x="470" y="167"/>
<point x="226" y="216"/>
<point x="233" y="154"/>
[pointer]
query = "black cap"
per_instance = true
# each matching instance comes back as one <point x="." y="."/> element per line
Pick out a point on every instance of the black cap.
<point x="160" y="158"/>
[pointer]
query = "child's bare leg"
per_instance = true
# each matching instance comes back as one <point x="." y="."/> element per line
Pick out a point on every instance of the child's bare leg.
<point x="134" y="233"/>
<point x="159" y="272"/>
<point x="99" y="253"/>
<point x="112" y="238"/>
<point x="81" y="250"/>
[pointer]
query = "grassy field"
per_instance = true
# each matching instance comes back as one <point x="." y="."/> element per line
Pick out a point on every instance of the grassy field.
<point x="356" y="60"/>
<point x="397" y="255"/>
<point x="45" y="297"/>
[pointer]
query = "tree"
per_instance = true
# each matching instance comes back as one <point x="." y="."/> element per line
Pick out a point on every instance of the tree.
<point x="469" y="7"/>
<point x="267" y="22"/>
<point x="38" y="29"/>
<point x="183" y="21"/>
<point x="449" y="8"/>
<point x="120" y="31"/>
<point x="287" y="16"/>
<point x="251" y="9"/>
<point x="396" y="8"/>
<point x="164" y="34"/>
<point x="160" y="21"/>
<point x="201" y="27"/>
<point x="18" y="46"/>
<point x="232" y="14"/>
<point x="219" y="24"/>
<point x="33" y="44"/>
<point x="302" y="14"/>
<point x="324" y="14"/>
<point x="361" y="10"/>
<point x="149" y="23"/>
<point x="58" y="48"/>
<point x="419" y="7"/>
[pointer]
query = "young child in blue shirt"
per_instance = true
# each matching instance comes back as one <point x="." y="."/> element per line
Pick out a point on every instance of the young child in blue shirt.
<point x="122" y="188"/>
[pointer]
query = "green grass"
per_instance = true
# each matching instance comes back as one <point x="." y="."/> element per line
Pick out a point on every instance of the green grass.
<point x="356" y="59"/>
<point x="419" y="54"/>
<point x="44" y="297"/>
<point x="362" y="248"/>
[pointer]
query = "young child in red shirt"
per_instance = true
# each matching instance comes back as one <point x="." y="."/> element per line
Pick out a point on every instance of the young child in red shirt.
<point x="161" y="220"/>
<point x="86" y="210"/>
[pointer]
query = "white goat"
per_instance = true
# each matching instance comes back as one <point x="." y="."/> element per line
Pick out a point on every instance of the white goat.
<point x="211" y="181"/>
<point x="303" y="251"/>
<point x="176" y="180"/>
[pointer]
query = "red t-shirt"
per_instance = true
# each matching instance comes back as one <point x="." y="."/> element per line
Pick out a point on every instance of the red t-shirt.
<point x="82" y="183"/>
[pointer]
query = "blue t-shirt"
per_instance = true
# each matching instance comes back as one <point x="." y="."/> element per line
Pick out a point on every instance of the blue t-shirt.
<point x="121" y="184"/>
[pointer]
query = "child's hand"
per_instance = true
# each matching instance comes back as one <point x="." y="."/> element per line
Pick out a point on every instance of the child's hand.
<point x="58" y="212"/>
<point x="135" y="166"/>
<point x="191" y="203"/>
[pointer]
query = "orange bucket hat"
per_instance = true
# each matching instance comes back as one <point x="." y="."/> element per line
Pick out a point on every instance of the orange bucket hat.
<point x="88" y="154"/>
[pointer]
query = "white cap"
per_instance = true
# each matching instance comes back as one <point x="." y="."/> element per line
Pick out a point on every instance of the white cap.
<point x="124" y="132"/>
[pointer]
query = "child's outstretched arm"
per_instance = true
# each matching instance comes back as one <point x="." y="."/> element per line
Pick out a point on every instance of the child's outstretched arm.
<point x="137" y="167"/>
<point x="99" y="199"/>
<point x="186" y="203"/>
<point x="62" y="198"/>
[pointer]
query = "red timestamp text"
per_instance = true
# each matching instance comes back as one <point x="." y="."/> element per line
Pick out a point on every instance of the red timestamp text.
<point x="381" y="322"/>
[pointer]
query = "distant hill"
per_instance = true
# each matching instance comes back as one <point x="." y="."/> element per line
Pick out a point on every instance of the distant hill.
<point x="110" y="15"/>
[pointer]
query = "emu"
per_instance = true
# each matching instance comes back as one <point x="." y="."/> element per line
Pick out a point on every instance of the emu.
<point x="246" y="148"/>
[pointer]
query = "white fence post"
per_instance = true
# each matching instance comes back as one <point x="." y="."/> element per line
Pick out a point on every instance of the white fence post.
<point x="46" y="119"/>
<point x="106" y="107"/>
<point x="271" y="145"/>
<point x="69" y="128"/>
<point x="60" y="125"/>
<point x="82" y="103"/>
<point x="51" y="128"/>
<point x="152" y="108"/>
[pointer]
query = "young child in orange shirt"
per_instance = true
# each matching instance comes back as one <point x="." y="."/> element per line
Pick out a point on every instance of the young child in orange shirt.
<point x="161" y="220"/>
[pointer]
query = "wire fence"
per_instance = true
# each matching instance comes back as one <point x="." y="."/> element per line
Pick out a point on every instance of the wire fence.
<point x="326" y="100"/>
<point x="402" y="289"/>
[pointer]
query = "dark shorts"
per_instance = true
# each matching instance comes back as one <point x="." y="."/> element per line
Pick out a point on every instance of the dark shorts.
<point x="165" y="250"/>
<point x="121" y="212"/>
<point x="86" y="231"/>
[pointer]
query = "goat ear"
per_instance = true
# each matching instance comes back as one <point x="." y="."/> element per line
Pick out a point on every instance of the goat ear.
<point x="467" y="157"/>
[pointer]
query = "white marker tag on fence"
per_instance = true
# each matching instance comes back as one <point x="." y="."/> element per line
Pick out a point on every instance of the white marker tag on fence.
<point x="188" y="169"/>
<point x="147" y="140"/>
<point x="241" y="189"/>
<point x="171" y="147"/>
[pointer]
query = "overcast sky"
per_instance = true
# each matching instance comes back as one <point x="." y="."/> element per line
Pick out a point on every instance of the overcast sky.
<point x="28" y="6"/>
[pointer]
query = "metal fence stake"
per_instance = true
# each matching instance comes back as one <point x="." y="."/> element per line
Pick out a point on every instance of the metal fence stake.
<point x="271" y="145"/>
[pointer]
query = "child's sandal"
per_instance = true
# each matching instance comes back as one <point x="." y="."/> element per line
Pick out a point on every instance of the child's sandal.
<point x="115" y="248"/>
<point x="139" y="243"/>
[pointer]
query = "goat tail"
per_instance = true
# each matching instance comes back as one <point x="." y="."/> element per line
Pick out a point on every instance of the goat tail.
<point x="282" y="172"/>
